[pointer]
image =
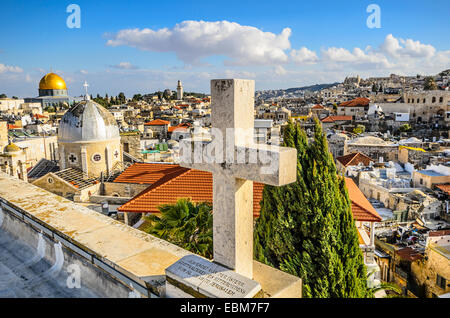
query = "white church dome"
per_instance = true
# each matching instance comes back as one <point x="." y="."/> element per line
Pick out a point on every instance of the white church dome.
<point x="87" y="121"/>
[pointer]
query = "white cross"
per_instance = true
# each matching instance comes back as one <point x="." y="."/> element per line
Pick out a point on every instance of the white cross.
<point x="233" y="108"/>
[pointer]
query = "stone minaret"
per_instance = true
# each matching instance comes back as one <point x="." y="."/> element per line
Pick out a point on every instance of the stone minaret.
<point x="179" y="91"/>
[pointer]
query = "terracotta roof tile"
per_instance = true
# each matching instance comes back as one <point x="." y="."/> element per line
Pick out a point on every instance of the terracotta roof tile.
<point x="145" y="173"/>
<point x="439" y="233"/>
<point x="157" y="122"/>
<point x="354" y="159"/>
<point x="409" y="254"/>
<point x="362" y="210"/>
<point x="317" y="106"/>
<point x="172" y="182"/>
<point x="444" y="187"/>
<point x="178" y="127"/>
<point x="357" y="102"/>
<point x="192" y="184"/>
<point x="332" y="119"/>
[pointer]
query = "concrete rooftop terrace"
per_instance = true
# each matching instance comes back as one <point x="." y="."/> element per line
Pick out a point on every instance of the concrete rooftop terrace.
<point x="129" y="255"/>
<point x="23" y="275"/>
<point x="134" y="253"/>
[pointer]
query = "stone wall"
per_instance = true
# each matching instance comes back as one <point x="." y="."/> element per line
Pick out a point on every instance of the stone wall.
<point x="54" y="184"/>
<point x="426" y="271"/>
<point x="389" y="153"/>
<point x="92" y="277"/>
<point x="130" y="256"/>
<point x="117" y="189"/>
<point x="131" y="143"/>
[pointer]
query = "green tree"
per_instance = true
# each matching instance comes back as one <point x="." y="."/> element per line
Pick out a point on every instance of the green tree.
<point x="186" y="224"/>
<point x="359" y="129"/>
<point x="405" y="128"/>
<point x="121" y="98"/>
<point x="307" y="229"/>
<point x="374" y="88"/>
<point x="3" y="96"/>
<point x="430" y="84"/>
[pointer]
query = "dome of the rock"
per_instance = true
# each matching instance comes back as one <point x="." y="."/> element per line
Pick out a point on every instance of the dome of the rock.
<point x="52" y="81"/>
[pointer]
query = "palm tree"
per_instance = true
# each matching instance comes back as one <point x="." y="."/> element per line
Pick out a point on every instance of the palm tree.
<point x="186" y="224"/>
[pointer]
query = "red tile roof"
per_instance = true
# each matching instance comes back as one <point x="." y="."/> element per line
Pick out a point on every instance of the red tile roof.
<point x="157" y="122"/>
<point x="439" y="233"/>
<point x="332" y="119"/>
<point x="193" y="184"/>
<point x="178" y="127"/>
<point x="354" y="159"/>
<point x="362" y="210"/>
<point x="145" y="173"/>
<point x="318" y="107"/>
<point x="172" y="182"/>
<point x="409" y="254"/>
<point x="13" y="127"/>
<point x="444" y="187"/>
<point x="357" y="102"/>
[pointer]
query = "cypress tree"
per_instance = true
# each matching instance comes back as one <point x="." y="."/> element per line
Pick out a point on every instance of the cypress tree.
<point x="306" y="228"/>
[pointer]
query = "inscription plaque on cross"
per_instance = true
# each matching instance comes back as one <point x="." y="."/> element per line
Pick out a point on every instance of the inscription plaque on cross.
<point x="235" y="166"/>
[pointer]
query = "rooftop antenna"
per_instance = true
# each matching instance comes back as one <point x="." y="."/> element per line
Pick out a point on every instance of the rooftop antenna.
<point x="86" y="96"/>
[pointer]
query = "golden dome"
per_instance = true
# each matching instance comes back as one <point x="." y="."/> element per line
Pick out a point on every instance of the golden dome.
<point x="11" y="148"/>
<point x="52" y="81"/>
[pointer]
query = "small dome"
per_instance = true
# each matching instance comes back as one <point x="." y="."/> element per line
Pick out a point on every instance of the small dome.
<point x="52" y="81"/>
<point x="11" y="148"/>
<point x="339" y="136"/>
<point x="369" y="140"/>
<point x="87" y="121"/>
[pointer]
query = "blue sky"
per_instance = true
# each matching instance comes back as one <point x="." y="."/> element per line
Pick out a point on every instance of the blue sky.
<point x="236" y="39"/>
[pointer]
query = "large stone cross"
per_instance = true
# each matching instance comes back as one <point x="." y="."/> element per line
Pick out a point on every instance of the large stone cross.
<point x="235" y="162"/>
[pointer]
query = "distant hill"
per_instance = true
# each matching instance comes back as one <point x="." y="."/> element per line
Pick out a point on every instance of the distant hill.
<point x="312" y="88"/>
<point x="292" y="92"/>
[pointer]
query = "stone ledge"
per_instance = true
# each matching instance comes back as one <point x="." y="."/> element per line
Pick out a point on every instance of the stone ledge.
<point x="275" y="283"/>
<point x="133" y="253"/>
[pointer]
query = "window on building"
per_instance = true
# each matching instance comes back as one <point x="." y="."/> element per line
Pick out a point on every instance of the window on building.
<point x="441" y="99"/>
<point x="441" y="281"/>
<point x="424" y="100"/>
<point x="433" y="100"/>
<point x="421" y="181"/>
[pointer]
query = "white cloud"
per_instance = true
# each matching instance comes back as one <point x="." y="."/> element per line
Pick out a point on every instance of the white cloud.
<point x="279" y="70"/>
<point x="399" y="48"/>
<point x="234" y="74"/>
<point x="125" y="66"/>
<point x="84" y="72"/>
<point x="367" y="58"/>
<point x="304" y="55"/>
<point x="10" y="69"/>
<point x="192" y="41"/>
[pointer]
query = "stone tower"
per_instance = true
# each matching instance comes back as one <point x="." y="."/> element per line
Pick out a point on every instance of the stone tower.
<point x="89" y="140"/>
<point x="179" y="91"/>
<point x="13" y="162"/>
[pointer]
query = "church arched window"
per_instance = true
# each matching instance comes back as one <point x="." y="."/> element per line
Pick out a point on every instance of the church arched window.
<point x="96" y="157"/>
